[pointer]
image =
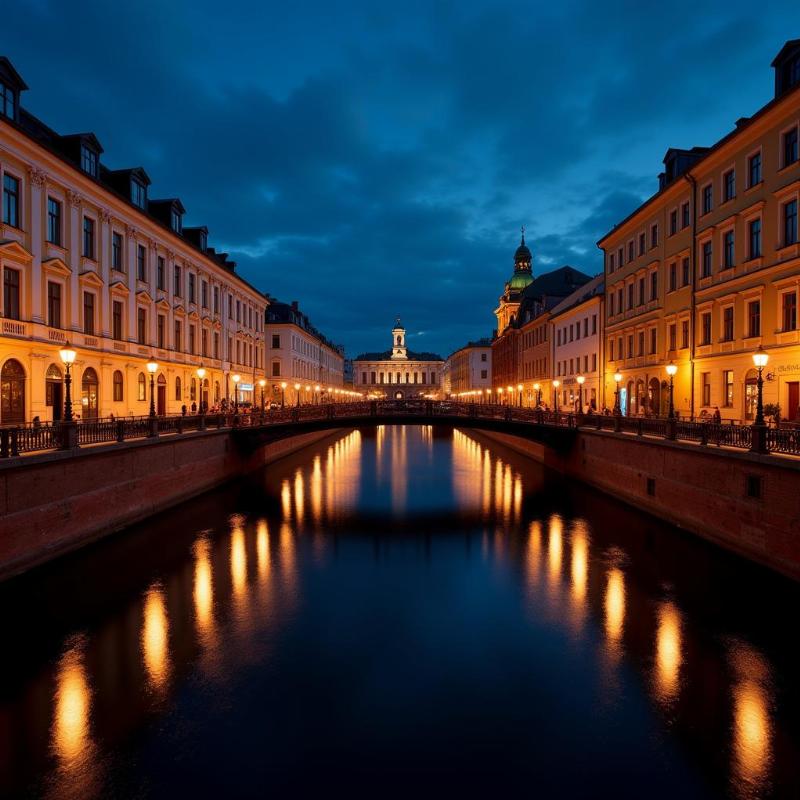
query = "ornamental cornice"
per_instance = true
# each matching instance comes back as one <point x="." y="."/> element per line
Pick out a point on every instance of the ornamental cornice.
<point x="104" y="215"/>
<point x="130" y="231"/>
<point x="37" y="177"/>
<point x="73" y="198"/>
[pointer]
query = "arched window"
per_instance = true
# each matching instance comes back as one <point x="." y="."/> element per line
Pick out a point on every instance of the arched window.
<point x="750" y="394"/>
<point x="52" y="388"/>
<point x="12" y="378"/>
<point x="193" y="390"/>
<point x="178" y="392"/>
<point x="89" y="399"/>
<point x="118" y="382"/>
<point x="141" y="382"/>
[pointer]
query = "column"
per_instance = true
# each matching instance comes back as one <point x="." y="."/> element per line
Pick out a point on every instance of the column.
<point x="103" y="327"/>
<point x="74" y="255"/>
<point x="37" y="182"/>
<point x="130" y="270"/>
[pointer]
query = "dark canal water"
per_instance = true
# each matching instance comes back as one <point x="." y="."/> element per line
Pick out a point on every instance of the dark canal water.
<point x="402" y="612"/>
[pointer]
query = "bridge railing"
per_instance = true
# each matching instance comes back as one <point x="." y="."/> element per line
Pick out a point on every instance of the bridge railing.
<point x="28" y="438"/>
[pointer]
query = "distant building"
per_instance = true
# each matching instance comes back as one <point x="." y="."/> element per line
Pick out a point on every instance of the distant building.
<point x="299" y="355"/>
<point x="398" y="373"/>
<point x="577" y="340"/>
<point x="469" y="369"/>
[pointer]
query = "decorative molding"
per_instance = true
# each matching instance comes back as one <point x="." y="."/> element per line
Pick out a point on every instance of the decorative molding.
<point x="130" y="231"/>
<point x="74" y="198"/>
<point x="104" y="215"/>
<point x="37" y="177"/>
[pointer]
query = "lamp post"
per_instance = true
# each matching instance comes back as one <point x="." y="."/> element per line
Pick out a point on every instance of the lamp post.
<point x="510" y="396"/>
<point x="236" y="378"/>
<point x="262" y="383"/>
<point x="537" y="387"/>
<point x="69" y="438"/>
<point x="581" y="380"/>
<point x="556" y="384"/>
<point x="283" y="393"/>
<point x="671" y="370"/>
<point x="308" y="395"/>
<point x="297" y="394"/>
<point x="519" y="390"/>
<point x="759" y="430"/>
<point x="489" y="396"/>
<point x="617" y="381"/>
<point x="316" y="394"/>
<point x="201" y="374"/>
<point x="152" y="368"/>
<point x="500" y="395"/>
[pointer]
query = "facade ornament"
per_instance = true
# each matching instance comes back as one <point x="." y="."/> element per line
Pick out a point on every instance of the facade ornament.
<point x="37" y="177"/>
<point x="74" y="198"/>
<point x="105" y="216"/>
<point x="130" y="231"/>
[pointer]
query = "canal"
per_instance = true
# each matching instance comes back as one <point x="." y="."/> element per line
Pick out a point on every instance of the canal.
<point x="396" y="611"/>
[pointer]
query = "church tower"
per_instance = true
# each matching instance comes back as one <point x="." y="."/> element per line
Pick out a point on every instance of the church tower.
<point x="521" y="278"/>
<point x="399" y="349"/>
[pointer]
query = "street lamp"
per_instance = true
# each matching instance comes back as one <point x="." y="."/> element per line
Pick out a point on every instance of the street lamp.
<point x="316" y="394"/>
<point x="67" y="355"/>
<point x="671" y="370"/>
<point x="519" y="389"/>
<point x="488" y="395"/>
<point x="283" y="393"/>
<point x="581" y="380"/>
<point x="500" y="395"/>
<point x="152" y="368"/>
<point x="537" y="387"/>
<point x="236" y="378"/>
<point x="617" y="381"/>
<point x="556" y="384"/>
<point x="760" y="359"/>
<point x="201" y="373"/>
<point x="262" y="383"/>
<point x="297" y="394"/>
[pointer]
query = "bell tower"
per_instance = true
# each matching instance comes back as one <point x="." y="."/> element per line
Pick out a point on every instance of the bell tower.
<point x="399" y="350"/>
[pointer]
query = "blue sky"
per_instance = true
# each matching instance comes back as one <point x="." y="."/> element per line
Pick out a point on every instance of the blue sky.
<point x="374" y="159"/>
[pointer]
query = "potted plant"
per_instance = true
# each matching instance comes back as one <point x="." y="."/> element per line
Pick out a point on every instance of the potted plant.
<point x="773" y="411"/>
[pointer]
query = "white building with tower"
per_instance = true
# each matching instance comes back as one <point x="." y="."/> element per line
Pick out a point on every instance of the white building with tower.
<point x="398" y="373"/>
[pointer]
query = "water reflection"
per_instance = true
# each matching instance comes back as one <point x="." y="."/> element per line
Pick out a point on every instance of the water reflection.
<point x="71" y="735"/>
<point x="668" y="653"/>
<point x="203" y="589"/>
<point x="155" y="638"/>
<point x="614" y="607"/>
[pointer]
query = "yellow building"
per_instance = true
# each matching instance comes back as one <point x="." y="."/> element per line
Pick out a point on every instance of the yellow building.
<point x="88" y="258"/>
<point x="708" y="270"/>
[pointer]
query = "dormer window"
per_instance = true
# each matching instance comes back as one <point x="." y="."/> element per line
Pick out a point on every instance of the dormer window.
<point x="177" y="221"/>
<point x="8" y="101"/>
<point x="138" y="194"/>
<point x="88" y="160"/>
<point x="203" y="240"/>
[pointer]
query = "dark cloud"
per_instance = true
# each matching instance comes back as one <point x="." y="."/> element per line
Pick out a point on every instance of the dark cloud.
<point x="379" y="160"/>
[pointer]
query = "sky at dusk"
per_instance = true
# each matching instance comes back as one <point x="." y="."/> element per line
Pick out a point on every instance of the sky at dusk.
<point x="372" y="159"/>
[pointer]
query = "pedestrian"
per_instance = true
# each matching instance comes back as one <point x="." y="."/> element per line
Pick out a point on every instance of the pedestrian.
<point x="717" y="416"/>
<point x="183" y="410"/>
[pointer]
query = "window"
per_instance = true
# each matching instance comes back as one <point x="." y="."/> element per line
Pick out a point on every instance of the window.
<point x="789" y="311"/>
<point x="53" y="304"/>
<point x="619" y="256"/>
<point x="88" y="313"/>
<point x="160" y="331"/>
<point x="178" y="392"/>
<point x="53" y="221"/>
<point x="641" y="244"/>
<point x="117" y="381"/>
<point x="216" y="299"/>
<point x="138" y="194"/>
<point x="10" y="200"/>
<point x="88" y="237"/>
<point x="141" y="263"/>
<point x="230" y="307"/>
<point x="89" y="161"/>
<point x="685" y="215"/>
<point x="653" y="340"/>
<point x="177" y="221"/>
<point x="191" y="288"/>
<point x="116" y="251"/>
<point x="238" y="311"/>
<point x="216" y="345"/>
<point x="654" y="236"/>
<point x="641" y="343"/>
<point x="673" y="276"/>
<point x="708" y="198"/>
<point x="611" y="304"/>
<point x="630" y="250"/>
<point x="790" y="223"/>
<point x="116" y="320"/>
<point x="728" y="249"/>
<point x="705" y="326"/>
<point x="754" y="318"/>
<point x="177" y="273"/>
<point x="707" y="259"/>
<point x="727" y="324"/>
<point x="611" y="262"/>
<point x="204" y="294"/>
<point x="728" y="186"/>
<point x="191" y="340"/>
<point x="178" y="344"/>
<point x="276" y="370"/>
<point x="754" y="237"/>
<point x="611" y="350"/>
<point x="790" y="147"/>
<point x="685" y="271"/>
<point x="141" y="383"/>
<point x="653" y="286"/>
<point x="673" y="223"/>
<point x="8" y="101"/>
<point x="673" y="336"/>
<point x="483" y="356"/>
<point x="630" y="295"/>
<point x="754" y="169"/>
<point x="141" y="326"/>
<point x="684" y="334"/>
<point x="204" y="342"/>
<point x="160" y="273"/>
<point x="727" y="388"/>
<point x="706" y="379"/>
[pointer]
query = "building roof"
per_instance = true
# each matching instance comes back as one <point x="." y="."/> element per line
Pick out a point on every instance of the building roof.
<point x="290" y="314"/>
<point x="595" y="287"/>
<point x="386" y="355"/>
<point x="484" y="342"/>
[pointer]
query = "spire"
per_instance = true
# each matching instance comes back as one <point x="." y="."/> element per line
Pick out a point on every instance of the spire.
<point x="522" y="228"/>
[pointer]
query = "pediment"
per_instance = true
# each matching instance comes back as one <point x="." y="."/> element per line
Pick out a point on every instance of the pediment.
<point x="11" y="249"/>
<point x="143" y="294"/>
<point x="162" y="302"/>
<point x="90" y="278"/>
<point x="57" y="266"/>
<point x="119" y="287"/>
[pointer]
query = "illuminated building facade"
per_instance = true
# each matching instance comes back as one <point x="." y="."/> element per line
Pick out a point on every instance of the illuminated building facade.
<point x="708" y="270"/>
<point x="87" y="258"/>
<point x="299" y="355"/>
<point x="469" y="369"/>
<point x="398" y="373"/>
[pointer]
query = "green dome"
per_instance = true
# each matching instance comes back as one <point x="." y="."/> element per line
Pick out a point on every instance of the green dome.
<point x="520" y="279"/>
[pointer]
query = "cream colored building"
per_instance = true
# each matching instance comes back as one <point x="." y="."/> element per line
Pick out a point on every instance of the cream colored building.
<point x="88" y="258"/>
<point x="398" y="373"/>
<point x="708" y="269"/>
<point x="302" y="364"/>
<point x="469" y="369"/>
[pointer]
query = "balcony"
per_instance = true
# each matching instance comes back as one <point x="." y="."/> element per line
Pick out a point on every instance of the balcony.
<point x="13" y="327"/>
<point x="56" y="335"/>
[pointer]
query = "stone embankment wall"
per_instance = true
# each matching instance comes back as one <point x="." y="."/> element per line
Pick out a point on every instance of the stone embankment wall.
<point x="745" y="502"/>
<point x="56" y="502"/>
